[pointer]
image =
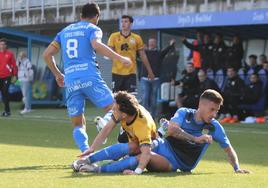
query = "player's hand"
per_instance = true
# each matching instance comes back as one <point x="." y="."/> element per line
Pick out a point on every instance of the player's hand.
<point x="151" y="76"/>
<point x="203" y="139"/>
<point x="129" y="172"/>
<point x="242" y="171"/>
<point x="126" y="61"/>
<point x="86" y="153"/>
<point x="60" y="79"/>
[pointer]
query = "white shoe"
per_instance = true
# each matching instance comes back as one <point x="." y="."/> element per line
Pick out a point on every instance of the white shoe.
<point x="24" y="111"/>
<point x="77" y="164"/>
<point x="100" y="124"/>
<point x="89" y="168"/>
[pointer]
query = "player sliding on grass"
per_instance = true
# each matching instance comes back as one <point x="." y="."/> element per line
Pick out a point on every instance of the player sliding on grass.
<point x="141" y="131"/>
<point x="82" y="80"/>
<point x="185" y="155"/>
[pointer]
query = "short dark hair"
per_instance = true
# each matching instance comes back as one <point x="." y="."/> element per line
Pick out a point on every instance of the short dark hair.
<point x="130" y="18"/>
<point x="253" y="56"/>
<point x="3" y="40"/>
<point x="90" y="10"/>
<point x="212" y="95"/>
<point x="127" y="102"/>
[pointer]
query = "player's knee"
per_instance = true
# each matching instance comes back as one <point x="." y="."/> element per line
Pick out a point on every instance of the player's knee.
<point x="134" y="148"/>
<point x="78" y="121"/>
<point x="108" y="108"/>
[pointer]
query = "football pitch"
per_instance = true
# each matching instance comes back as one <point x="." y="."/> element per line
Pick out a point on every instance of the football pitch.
<point x="37" y="150"/>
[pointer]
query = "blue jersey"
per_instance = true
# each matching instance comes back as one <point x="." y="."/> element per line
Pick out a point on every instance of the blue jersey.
<point x="195" y="128"/>
<point x="78" y="55"/>
<point x="185" y="155"/>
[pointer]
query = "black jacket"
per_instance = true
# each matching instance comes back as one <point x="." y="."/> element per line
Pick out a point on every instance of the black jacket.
<point x="206" y="51"/>
<point x="219" y="56"/>
<point x="208" y="84"/>
<point x="155" y="58"/>
<point x="234" y="55"/>
<point x="234" y="87"/>
<point x="253" y="92"/>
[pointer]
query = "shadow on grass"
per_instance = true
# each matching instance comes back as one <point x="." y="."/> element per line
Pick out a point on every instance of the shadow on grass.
<point x="151" y="174"/>
<point x="34" y="168"/>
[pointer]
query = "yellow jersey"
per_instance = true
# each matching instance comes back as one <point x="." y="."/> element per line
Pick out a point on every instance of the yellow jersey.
<point x="143" y="129"/>
<point x="125" y="46"/>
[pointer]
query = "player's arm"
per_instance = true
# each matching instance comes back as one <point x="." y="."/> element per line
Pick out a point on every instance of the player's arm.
<point x="177" y="132"/>
<point x="108" y="52"/>
<point x="144" y="158"/>
<point x="233" y="160"/>
<point x="146" y="63"/>
<point x="48" y="56"/>
<point x="103" y="134"/>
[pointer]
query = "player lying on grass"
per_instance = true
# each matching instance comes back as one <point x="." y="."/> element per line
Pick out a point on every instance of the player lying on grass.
<point x="141" y="130"/>
<point x="185" y="155"/>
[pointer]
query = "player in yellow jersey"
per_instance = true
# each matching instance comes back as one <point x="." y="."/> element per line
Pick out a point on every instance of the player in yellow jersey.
<point x="128" y="44"/>
<point x="141" y="130"/>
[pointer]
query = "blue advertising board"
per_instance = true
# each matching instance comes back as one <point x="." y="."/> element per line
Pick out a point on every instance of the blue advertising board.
<point x="209" y="19"/>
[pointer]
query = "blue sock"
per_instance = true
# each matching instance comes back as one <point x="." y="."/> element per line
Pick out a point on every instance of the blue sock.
<point x="80" y="138"/>
<point x="119" y="166"/>
<point x="112" y="152"/>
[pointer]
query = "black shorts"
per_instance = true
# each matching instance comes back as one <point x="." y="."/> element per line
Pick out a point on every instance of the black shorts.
<point x="124" y="83"/>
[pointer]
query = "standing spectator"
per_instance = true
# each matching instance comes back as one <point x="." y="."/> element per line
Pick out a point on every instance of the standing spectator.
<point x="195" y="54"/>
<point x="8" y="73"/>
<point x="25" y="76"/>
<point x="169" y="71"/>
<point x="233" y="91"/>
<point x="150" y="87"/>
<point x="205" y="50"/>
<point x="127" y="44"/>
<point x="234" y="54"/>
<point x="205" y="82"/>
<point x="219" y="53"/>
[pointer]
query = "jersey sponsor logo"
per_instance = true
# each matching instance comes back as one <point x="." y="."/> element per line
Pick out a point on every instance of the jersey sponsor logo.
<point x="78" y="85"/>
<point x="124" y="47"/>
<point x="76" y="68"/>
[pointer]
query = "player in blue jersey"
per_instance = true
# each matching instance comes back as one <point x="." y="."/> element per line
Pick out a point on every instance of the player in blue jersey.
<point x="178" y="150"/>
<point x="79" y="43"/>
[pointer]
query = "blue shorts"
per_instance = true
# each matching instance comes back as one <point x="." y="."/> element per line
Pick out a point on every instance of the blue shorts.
<point x="165" y="150"/>
<point x="94" y="89"/>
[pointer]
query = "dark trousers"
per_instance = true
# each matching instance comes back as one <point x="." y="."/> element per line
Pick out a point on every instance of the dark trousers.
<point x="4" y="85"/>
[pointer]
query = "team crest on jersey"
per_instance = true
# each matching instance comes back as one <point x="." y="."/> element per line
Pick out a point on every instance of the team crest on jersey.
<point x="132" y="41"/>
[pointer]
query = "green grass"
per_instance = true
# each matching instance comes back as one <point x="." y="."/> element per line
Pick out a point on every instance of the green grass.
<point x="36" y="150"/>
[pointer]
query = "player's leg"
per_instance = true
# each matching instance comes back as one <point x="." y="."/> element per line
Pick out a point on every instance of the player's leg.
<point x="101" y="96"/>
<point x="75" y="107"/>
<point x="5" y="95"/>
<point x="158" y="163"/>
<point x="114" y="152"/>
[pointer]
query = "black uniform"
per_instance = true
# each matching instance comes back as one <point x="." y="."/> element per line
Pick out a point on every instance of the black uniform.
<point x="234" y="55"/>
<point x="206" y="51"/>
